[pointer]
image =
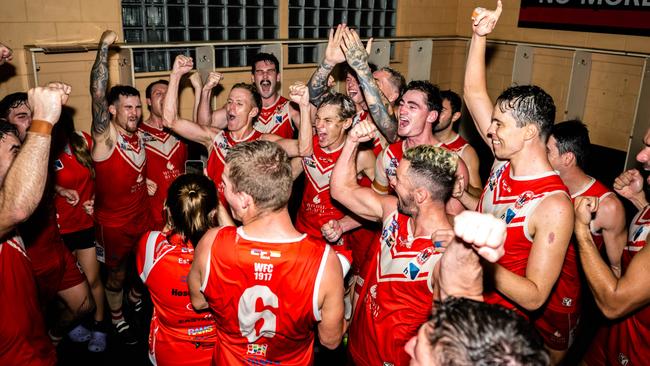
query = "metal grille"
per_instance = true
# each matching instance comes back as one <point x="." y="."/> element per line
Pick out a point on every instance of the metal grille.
<point x="310" y="19"/>
<point x="161" y="21"/>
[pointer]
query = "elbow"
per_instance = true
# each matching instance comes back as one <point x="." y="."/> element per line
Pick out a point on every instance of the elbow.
<point x="20" y="215"/>
<point x="330" y="342"/>
<point x="534" y="304"/>
<point x="611" y="313"/>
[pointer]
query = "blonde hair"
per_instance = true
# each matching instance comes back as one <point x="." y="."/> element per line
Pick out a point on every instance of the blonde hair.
<point x="191" y="203"/>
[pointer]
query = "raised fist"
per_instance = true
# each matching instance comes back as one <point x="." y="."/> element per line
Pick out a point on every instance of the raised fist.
<point x="362" y="131"/>
<point x="629" y="184"/>
<point x="46" y="101"/>
<point x="299" y="94"/>
<point x="6" y="54"/>
<point x="214" y="78"/>
<point x="182" y="65"/>
<point x="108" y="37"/>
<point x="585" y="206"/>
<point x="484" y="232"/>
<point x="331" y="231"/>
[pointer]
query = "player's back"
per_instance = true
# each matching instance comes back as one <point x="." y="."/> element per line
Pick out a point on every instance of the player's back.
<point x="265" y="298"/>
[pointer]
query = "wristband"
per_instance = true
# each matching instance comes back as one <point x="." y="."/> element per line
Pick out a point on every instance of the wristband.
<point x="41" y="127"/>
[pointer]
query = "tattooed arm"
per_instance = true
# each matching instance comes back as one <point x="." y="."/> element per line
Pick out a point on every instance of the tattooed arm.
<point x="378" y="106"/>
<point x="318" y="88"/>
<point x="101" y="130"/>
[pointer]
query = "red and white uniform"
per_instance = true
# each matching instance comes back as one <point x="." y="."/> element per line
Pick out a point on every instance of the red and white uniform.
<point x="54" y="267"/>
<point x="166" y="156"/>
<point x="626" y="341"/>
<point x="70" y="174"/>
<point x="317" y="206"/>
<point x="276" y="119"/>
<point x="594" y="189"/>
<point x="397" y="296"/>
<point x="514" y="199"/>
<point x="457" y="144"/>
<point x="221" y="143"/>
<point x="120" y="187"/>
<point x="178" y="335"/>
<point x="265" y="298"/>
<point x="23" y="340"/>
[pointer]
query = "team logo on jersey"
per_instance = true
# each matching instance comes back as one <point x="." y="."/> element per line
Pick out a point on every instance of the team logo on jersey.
<point x="58" y="165"/>
<point x="139" y="179"/>
<point x="170" y="166"/>
<point x="523" y="199"/>
<point x="256" y="349"/>
<point x="509" y="215"/>
<point x="316" y="199"/>
<point x="505" y="186"/>
<point x="388" y="364"/>
<point x="411" y="271"/>
<point x="266" y="254"/>
<point x="387" y="233"/>
<point x="495" y="177"/>
<point x="424" y="255"/>
<point x="567" y="301"/>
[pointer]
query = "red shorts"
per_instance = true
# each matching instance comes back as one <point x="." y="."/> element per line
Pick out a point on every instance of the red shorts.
<point x="557" y="329"/>
<point x="55" y="270"/>
<point x="164" y="350"/>
<point x="597" y="354"/>
<point x="114" y="244"/>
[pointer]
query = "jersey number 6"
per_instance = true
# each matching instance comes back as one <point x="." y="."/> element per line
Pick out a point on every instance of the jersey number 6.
<point x="248" y="317"/>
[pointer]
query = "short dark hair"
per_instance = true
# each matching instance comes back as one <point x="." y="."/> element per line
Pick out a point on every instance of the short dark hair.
<point x="191" y="201"/>
<point x="262" y="170"/>
<point x="12" y="101"/>
<point x="433" y="168"/>
<point x="529" y="104"/>
<point x="469" y="332"/>
<point x="344" y="102"/>
<point x="453" y="98"/>
<point x="573" y="136"/>
<point x="121" y="90"/>
<point x="431" y="91"/>
<point x="7" y="128"/>
<point x="257" y="99"/>
<point x="267" y="57"/>
<point x="396" y="78"/>
<point x="147" y="92"/>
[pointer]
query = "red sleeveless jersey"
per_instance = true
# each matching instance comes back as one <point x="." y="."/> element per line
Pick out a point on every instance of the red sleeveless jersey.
<point x="457" y="144"/>
<point x="163" y="263"/>
<point x="166" y="156"/>
<point x="265" y="298"/>
<point x="221" y="143"/>
<point x="317" y="206"/>
<point x="594" y="189"/>
<point x="514" y="200"/>
<point x="397" y="296"/>
<point x="23" y="340"/>
<point x="70" y="174"/>
<point x="120" y="187"/>
<point x="276" y="119"/>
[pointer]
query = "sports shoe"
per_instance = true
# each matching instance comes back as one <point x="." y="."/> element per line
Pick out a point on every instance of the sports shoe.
<point x="97" y="342"/>
<point x="79" y="334"/>
<point x="125" y="333"/>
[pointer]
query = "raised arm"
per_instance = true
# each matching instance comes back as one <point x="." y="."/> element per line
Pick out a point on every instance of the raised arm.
<point x="318" y="88"/>
<point x="187" y="129"/>
<point x="344" y="187"/>
<point x="610" y="219"/>
<point x="616" y="297"/>
<point x="475" y="92"/>
<point x="552" y="225"/>
<point x="23" y="186"/>
<point x="378" y="105"/>
<point x="101" y="118"/>
<point x="206" y="116"/>
<point x="197" y="87"/>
